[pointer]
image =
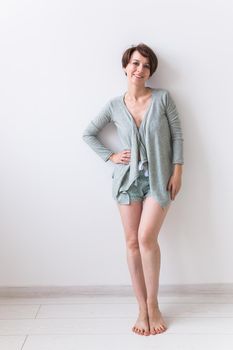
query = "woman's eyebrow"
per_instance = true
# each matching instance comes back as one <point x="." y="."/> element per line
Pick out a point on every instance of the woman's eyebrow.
<point x="134" y="59"/>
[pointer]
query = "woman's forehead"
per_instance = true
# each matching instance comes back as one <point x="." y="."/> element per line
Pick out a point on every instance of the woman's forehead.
<point x="137" y="56"/>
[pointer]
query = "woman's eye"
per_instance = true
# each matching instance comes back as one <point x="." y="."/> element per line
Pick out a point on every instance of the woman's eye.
<point x="146" y="66"/>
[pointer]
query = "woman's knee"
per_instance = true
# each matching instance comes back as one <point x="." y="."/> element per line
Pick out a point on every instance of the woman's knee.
<point x="132" y="243"/>
<point x="147" y="241"/>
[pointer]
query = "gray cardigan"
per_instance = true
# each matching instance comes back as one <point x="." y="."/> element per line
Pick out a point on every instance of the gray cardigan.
<point x="161" y="149"/>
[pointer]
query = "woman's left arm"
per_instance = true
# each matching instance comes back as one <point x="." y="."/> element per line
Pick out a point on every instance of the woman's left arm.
<point x="174" y="122"/>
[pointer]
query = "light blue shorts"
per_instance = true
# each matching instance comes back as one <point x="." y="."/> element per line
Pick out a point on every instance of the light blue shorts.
<point x="138" y="191"/>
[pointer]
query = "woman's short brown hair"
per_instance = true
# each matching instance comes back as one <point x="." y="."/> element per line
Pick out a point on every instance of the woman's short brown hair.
<point x="145" y="51"/>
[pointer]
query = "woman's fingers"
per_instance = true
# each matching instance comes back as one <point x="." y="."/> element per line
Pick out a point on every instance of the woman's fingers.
<point x="171" y="189"/>
<point x="173" y="194"/>
<point x="125" y="156"/>
<point x="169" y="186"/>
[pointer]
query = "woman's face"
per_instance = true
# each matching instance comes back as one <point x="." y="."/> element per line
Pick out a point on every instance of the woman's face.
<point x="138" y="68"/>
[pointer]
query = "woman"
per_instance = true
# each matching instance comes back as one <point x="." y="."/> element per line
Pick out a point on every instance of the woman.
<point x="147" y="174"/>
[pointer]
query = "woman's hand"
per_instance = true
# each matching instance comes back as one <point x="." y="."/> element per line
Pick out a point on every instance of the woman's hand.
<point x="174" y="184"/>
<point x="122" y="157"/>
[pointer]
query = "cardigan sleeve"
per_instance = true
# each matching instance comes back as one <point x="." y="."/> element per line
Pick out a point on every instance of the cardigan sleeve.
<point x="90" y="133"/>
<point x="175" y="128"/>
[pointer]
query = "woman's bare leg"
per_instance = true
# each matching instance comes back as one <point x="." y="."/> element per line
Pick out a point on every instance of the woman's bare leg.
<point x="130" y="216"/>
<point x="151" y="221"/>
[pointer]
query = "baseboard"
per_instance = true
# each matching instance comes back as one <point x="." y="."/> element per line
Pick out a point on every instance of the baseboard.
<point x="110" y="290"/>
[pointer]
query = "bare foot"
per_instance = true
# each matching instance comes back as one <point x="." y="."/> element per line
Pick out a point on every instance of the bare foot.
<point x="156" y="321"/>
<point x="142" y="324"/>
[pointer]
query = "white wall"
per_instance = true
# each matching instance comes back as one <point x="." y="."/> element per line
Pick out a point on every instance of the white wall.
<point x="60" y="62"/>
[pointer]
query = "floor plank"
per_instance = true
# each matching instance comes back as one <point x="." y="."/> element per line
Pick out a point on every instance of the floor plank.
<point x="130" y="342"/>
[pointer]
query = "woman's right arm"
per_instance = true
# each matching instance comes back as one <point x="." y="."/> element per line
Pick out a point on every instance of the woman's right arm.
<point x="90" y="134"/>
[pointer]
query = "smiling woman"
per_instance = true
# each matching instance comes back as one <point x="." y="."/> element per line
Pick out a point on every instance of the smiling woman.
<point x="141" y="51"/>
<point x="146" y="176"/>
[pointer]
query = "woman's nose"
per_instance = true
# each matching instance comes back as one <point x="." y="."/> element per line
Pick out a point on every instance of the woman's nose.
<point x="140" y="68"/>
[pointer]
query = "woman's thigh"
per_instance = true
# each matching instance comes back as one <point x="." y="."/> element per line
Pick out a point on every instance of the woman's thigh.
<point x="130" y="216"/>
<point x="152" y="218"/>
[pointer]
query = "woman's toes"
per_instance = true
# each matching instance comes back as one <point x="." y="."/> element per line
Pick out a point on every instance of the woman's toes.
<point x="153" y="331"/>
<point x="160" y="329"/>
<point x="140" y="331"/>
<point x="163" y="328"/>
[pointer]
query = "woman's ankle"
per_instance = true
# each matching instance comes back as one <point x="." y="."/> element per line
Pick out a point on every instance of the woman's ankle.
<point x="143" y="309"/>
<point x="152" y="303"/>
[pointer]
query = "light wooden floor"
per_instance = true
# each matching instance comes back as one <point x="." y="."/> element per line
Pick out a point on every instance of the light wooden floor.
<point x="195" y="323"/>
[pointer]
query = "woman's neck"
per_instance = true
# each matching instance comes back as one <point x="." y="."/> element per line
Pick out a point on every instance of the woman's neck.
<point x="134" y="92"/>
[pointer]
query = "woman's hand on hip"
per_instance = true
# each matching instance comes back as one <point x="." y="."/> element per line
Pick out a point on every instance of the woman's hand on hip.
<point x="122" y="157"/>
